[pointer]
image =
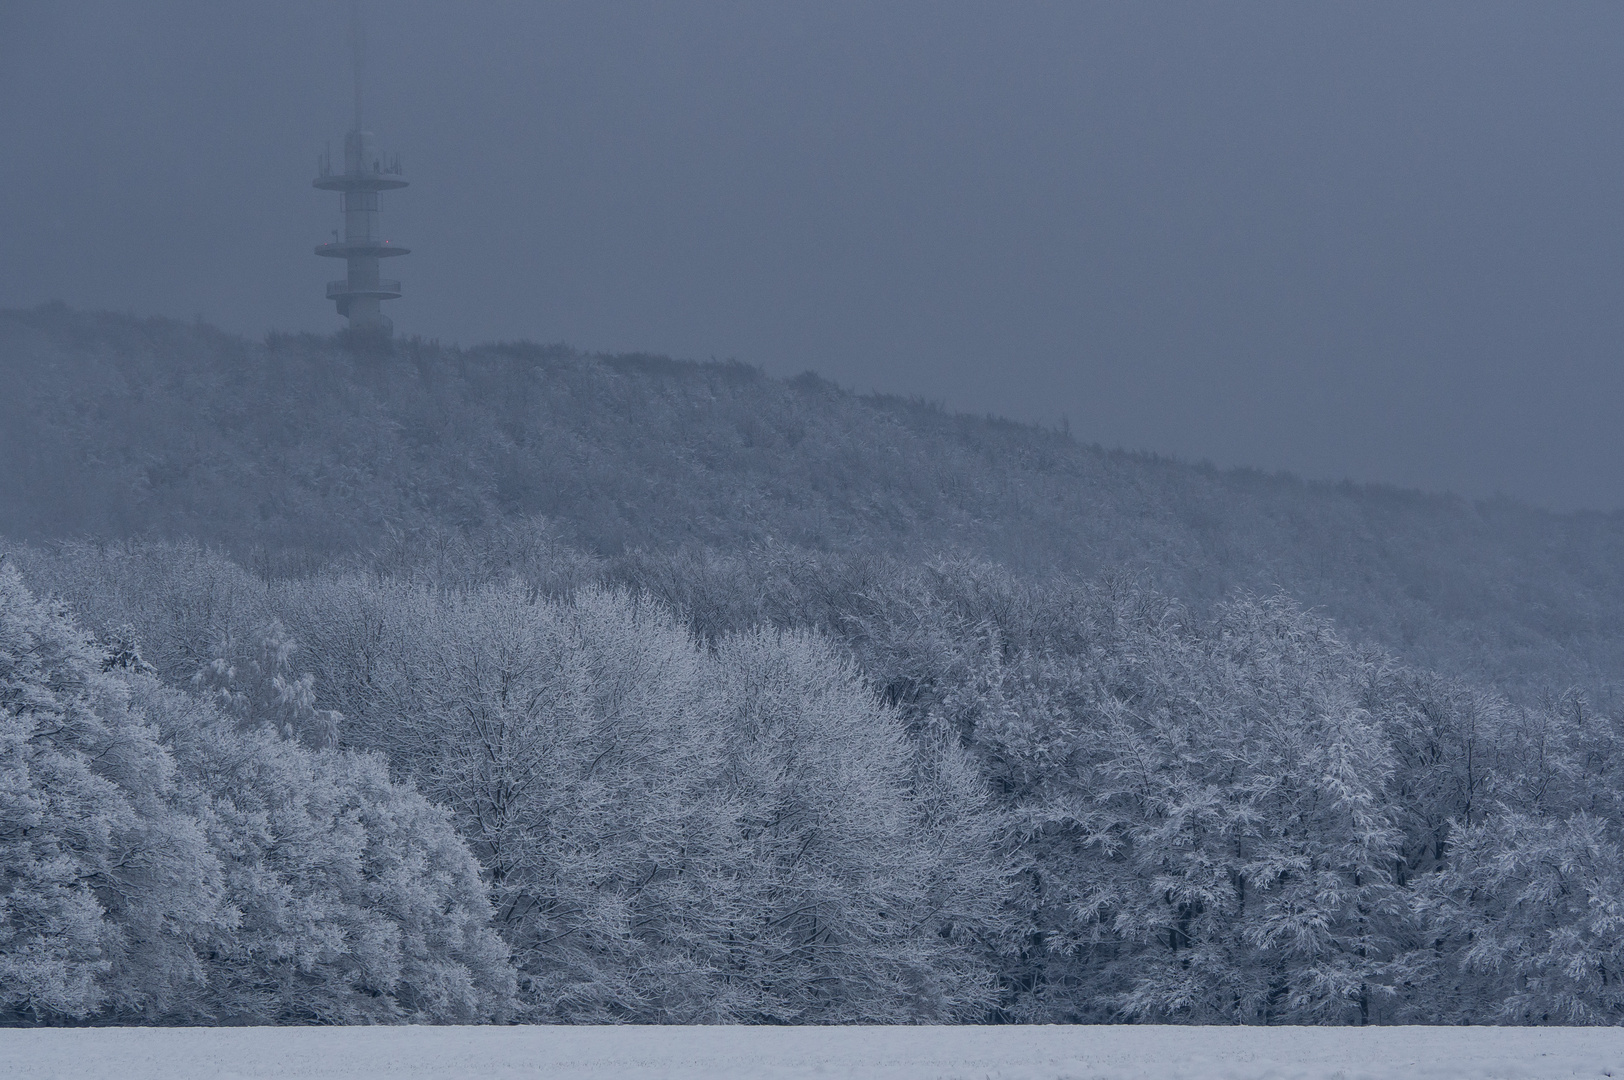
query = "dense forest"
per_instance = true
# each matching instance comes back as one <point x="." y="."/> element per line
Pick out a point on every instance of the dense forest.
<point x="295" y="453"/>
<point x="512" y="683"/>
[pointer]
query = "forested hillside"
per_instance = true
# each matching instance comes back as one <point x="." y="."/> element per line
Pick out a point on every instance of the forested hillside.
<point x="510" y="683"/>
<point x="295" y="452"/>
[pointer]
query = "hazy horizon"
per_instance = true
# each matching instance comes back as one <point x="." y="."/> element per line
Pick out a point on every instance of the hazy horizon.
<point x="1378" y="243"/>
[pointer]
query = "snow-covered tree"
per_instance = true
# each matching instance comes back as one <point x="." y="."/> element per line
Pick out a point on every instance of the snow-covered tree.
<point x="160" y="860"/>
<point x="261" y="689"/>
<point x="104" y="884"/>
<point x="355" y="900"/>
<point x="1528" y="922"/>
<point x="572" y="744"/>
<point x="923" y="779"/>
<point x="1200" y="808"/>
<point x="863" y="866"/>
<point x="674" y="835"/>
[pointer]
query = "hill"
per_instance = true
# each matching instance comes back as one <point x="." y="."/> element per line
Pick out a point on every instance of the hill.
<point x="755" y="701"/>
<point x="296" y="452"/>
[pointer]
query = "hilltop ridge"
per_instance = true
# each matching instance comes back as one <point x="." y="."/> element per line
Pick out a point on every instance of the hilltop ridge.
<point x="298" y="451"/>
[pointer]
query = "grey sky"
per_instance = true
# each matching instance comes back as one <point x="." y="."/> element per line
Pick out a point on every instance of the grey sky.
<point x="1383" y="241"/>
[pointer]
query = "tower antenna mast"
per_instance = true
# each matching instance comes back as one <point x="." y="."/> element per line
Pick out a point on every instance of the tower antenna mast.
<point x="366" y="173"/>
<point x="358" y="56"/>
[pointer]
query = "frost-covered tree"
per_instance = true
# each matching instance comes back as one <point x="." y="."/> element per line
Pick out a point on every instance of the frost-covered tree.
<point x="1199" y="808"/>
<point x="572" y="744"/>
<point x="261" y="689"/>
<point x="159" y="860"/>
<point x="186" y="605"/>
<point x="865" y="863"/>
<point x="1522" y="905"/>
<point x="922" y="778"/>
<point x="355" y="900"/>
<point x="1528" y="922"/>
<point x="1244" y="792"/>
<point x="104" y="884"/>
<point x="674" y="835"/>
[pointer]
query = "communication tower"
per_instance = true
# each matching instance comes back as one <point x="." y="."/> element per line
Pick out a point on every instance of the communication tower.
<point x="366" y="172"/>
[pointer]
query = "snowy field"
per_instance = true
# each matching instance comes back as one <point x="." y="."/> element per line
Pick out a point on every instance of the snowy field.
<point x="726" y="1053"/>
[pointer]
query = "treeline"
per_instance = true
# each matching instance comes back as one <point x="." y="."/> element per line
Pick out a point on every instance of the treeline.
<point x="295" y="454"/>
<point x="770" y="786"/>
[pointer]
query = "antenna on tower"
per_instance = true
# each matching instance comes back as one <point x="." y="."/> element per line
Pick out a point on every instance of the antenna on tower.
<point x="367" y="171"/>
<point x="358" y="55"/>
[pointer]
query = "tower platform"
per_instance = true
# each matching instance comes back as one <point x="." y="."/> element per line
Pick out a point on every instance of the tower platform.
<point x="382" y="289"/>
<point x="366" y="180"/>
<point x="345" y="250"/>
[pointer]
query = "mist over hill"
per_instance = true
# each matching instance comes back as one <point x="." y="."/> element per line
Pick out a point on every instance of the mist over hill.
<point x="512" y="682"/>
<point x="296" y="452"/>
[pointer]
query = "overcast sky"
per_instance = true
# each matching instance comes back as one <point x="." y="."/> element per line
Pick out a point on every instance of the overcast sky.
<point x="1366" y="240"/>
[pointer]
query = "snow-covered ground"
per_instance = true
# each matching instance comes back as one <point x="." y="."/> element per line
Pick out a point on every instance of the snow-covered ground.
<point x="873" y="1053"/>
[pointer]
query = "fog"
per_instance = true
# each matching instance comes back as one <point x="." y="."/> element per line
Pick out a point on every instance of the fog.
<point x="1376" y="241"/>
